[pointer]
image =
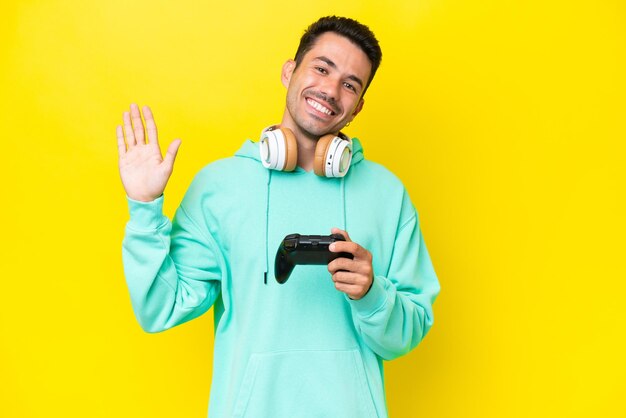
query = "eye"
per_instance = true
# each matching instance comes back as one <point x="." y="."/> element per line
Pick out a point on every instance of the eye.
<point x="349" y="86"/>
<point x="321" y="70"/>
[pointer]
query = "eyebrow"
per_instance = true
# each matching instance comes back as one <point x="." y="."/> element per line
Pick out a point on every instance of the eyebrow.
<point x="331" y="64"/>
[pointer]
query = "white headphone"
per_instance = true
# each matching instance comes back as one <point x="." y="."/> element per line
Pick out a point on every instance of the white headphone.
<point x="279" y="151"/>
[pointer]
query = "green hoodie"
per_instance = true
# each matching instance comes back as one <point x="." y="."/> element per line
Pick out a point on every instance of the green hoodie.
<point x="300" y="349"/>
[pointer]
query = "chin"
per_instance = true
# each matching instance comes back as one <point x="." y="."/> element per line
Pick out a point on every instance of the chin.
<point x="314" y="128"/>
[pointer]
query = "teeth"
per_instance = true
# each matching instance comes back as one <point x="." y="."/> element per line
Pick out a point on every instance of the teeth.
<point x="319" y="107"/>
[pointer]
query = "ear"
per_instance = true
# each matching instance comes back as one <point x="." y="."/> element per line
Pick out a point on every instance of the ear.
<point x="288" y="68"/>
<point x="357" y="109"/>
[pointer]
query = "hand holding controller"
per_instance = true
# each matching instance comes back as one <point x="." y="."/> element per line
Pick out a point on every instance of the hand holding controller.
<point x="304" y="249"/>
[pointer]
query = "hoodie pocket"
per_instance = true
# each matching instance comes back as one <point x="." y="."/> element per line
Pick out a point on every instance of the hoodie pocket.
<point x="305" y="384"/>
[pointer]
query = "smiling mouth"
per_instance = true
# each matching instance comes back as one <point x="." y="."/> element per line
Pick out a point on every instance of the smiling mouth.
<point x="320" y="107"/>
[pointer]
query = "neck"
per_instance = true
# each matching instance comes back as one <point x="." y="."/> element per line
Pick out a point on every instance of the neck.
<point x="306" y="144"/>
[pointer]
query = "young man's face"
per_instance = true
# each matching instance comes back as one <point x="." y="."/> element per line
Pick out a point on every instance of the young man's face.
<point x="324" y="92"/>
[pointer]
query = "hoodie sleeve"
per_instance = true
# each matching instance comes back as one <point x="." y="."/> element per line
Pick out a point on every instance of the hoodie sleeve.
<point x="173" y="269"/>
<point x="396" y="313"/>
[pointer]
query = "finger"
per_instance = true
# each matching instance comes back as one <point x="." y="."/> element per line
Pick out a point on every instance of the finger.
<point x="348" y="247"/>
<point x="349" y="289"/>
<point x="341" y="232"/>
<point x="121" y="145"/>
<point x="342" y="263"/>
<point x="363" y="268"/>
<point x="150" y="125"/>
<point x="128" y="130"/>
<point x="355" y="286"/>
<point x="172" y="151"/>
<point x="135" y="117"/>
<point x="347" y="277"/>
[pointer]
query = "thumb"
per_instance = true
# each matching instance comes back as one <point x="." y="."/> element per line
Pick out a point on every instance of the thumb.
<point x="341" y="232"/>
<point x="172" y="151"/>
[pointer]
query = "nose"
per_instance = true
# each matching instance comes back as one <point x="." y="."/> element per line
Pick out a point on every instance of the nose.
<point x="331" y="88"/>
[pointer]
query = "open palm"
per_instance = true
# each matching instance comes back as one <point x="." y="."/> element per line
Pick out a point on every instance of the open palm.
<point x="144" y="171"/>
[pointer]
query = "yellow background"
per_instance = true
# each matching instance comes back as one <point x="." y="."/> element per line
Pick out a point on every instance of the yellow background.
<point x="505" y="119"/>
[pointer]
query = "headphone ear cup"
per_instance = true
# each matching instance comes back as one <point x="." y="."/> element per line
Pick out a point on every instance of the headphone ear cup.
<point x="278" y="149"/>
<point x="291" y="149"/>
<point x="321" y="149"/>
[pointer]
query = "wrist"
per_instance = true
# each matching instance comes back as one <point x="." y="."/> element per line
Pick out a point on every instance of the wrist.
<point x="146" y="215"/>
<point x="143" y="198"/>
<point x="374" y="299"/>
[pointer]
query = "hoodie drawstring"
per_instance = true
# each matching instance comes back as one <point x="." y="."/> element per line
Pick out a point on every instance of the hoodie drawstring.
<point x="267" y="216"/>
<point x="342" y="195"/>
<point x="343" y="202"/>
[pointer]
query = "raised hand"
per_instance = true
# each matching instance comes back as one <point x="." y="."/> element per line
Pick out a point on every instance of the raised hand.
<point x="143" y="169"/>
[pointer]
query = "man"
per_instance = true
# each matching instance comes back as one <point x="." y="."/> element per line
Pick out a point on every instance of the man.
<point x="314" y="346"/>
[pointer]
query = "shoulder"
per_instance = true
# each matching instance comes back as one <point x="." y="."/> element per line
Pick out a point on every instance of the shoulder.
<point x="374" y="174"/>
<point x="225" y="177"/>
<point x="228" y="168"/>
<point x="228" y="171"/>
<point x="376" y="186"/>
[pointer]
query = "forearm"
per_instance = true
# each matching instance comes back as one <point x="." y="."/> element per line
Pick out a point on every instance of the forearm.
<point x="167" y="284"/>
<point x="390" y="322"/>
<point x="396" y="313"/>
